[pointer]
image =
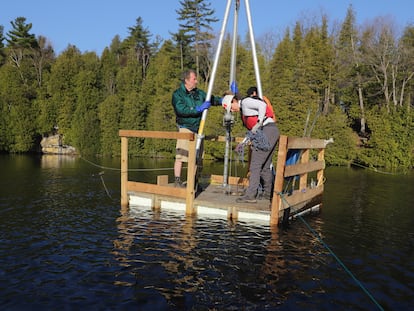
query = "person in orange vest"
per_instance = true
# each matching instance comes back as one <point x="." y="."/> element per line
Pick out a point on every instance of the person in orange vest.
<point x="263" y="134"/>
<point x="252" y="92"/>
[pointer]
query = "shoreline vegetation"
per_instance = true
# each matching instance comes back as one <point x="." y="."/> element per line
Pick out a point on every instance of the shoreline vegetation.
<point x="353" y="83"/>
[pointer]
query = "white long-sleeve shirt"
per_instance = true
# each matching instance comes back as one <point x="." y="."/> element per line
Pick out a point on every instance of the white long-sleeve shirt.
<point x="255" y="107"/>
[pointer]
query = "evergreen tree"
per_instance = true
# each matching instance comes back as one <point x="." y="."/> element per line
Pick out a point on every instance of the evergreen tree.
<point x="109" y="68"/>
<point x="290" y="93"/>
<point x="21" y="44"/>
<point x="62" y="84"/>
<point x="2" y="51"/>
<point x="183" y="43"/>
<point x="391" y="143"/>
<point x="109" y="112"/>
<point x="162" y="80"/>
<point x="320" y="64"/>
<point x="18" y="116"/>
<point x="84" y="132"/>
<point x="197" y="17"/>
<point x="133" y="117"/>
<point x="139" y="42"/>
<point x="19" y="36"/>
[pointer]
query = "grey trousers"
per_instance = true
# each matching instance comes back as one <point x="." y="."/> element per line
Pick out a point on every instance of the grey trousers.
<point x="260" y="163"/>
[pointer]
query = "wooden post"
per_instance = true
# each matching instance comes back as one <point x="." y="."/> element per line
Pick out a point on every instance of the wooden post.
<point x="191" y="170"/>
<point x="124" y="171"/>
<point x="303" y="181"/>
<point x="162" y="180"/>
<point x="279" y="178"/>
<point x="319" y="174"/>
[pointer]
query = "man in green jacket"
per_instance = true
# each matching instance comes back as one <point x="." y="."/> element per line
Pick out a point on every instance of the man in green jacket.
<point x="189" y="102"/>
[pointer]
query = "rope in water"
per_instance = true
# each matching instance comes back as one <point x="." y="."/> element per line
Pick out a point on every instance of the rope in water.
<point x="129" y="170"/>
<point x="118" y="169"/>
<point x="335" y="256"/>
<point x="373" y="169"/>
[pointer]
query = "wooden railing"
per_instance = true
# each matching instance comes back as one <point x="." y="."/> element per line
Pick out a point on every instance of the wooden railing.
<point x="161" y="187"/>
<point x="304" y="169"/>
<point x="306" y="190"/>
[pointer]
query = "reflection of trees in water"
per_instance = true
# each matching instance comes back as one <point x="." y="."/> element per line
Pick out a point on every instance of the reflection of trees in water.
<point x="290" y="256"/>
<point x="156" y="254"/>
<point x="56" y="160"/>
<point x="185" y="261"/>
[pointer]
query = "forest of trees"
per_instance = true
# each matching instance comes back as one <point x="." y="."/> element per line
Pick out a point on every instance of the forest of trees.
<point x="352" y="83"/>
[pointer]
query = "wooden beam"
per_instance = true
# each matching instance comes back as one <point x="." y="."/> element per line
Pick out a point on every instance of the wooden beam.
<point x="298" y="196"/>
<point x="156" y="134"/>
<point x="302" y="168"/>
<point x="156" y="189"/>
<point x="306" y="143"/>
<point x="233" y="180"/>
<point x="162" y="180"/>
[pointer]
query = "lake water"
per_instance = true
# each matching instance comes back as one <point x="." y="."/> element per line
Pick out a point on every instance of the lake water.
<point x="67" y="244"/>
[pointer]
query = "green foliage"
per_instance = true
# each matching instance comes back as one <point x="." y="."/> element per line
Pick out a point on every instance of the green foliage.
<point x="19" y="36"/>
<point x="18" y="116"/>
<point x="196" y="18"/>
<point x="321" y="83"/>
<point x="133" y="118"/>
<point x="391" y="144"/>
<point x="62" y="91"/>
<point x="335" y="125"/>
<point x="110" y="116"/>
<point x="85" y="128"/>
<point x="163" y="79"/>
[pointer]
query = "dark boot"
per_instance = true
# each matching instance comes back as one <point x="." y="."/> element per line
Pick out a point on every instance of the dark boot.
<point x="246" y="199"/>
<point x="178" y="183"/>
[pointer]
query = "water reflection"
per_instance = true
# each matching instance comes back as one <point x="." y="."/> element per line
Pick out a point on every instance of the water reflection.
<point x="57" y="161"/>
<point x="186" y="262"/>
<point x="66" y="243"/>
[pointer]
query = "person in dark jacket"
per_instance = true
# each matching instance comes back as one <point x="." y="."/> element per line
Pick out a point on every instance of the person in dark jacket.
<point x="189" y="102"/>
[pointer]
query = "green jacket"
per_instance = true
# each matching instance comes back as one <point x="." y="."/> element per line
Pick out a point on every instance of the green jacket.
<point x="185" y="104"/>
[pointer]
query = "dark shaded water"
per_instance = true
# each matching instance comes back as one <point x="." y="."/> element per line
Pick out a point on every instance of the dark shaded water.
<point x="65" y="243"/>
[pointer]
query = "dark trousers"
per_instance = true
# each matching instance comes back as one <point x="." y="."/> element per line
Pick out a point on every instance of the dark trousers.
<point x="260" y="163"/>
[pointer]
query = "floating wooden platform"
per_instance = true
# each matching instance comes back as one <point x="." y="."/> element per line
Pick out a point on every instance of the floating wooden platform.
<point x="216" y="201"/>
<point x="298" y="184"/>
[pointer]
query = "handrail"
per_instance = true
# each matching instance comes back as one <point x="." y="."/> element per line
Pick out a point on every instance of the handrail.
<point x="306" y="191"/>
<point x="126" y="185"/>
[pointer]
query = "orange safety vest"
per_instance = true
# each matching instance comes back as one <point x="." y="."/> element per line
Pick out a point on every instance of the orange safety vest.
<point x="250" y="121"/>
<point x="269" y="105"/>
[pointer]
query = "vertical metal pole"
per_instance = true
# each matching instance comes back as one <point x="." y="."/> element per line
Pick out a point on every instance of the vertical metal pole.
<point x="234" y="44"/>
<point x="213" y="76"/>
<point x="253" y="44"/>
<point x="232" y="79"/>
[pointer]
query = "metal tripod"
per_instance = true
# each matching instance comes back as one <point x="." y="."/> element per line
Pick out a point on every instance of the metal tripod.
<point x="227" y="120"/>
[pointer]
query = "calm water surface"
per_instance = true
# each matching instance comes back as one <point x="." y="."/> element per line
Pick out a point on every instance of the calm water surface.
<point x="66" y="243"/>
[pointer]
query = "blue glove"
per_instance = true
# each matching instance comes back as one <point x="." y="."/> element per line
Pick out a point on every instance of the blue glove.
<point x="203" y="106"/>
<point x="234" y="88"/>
